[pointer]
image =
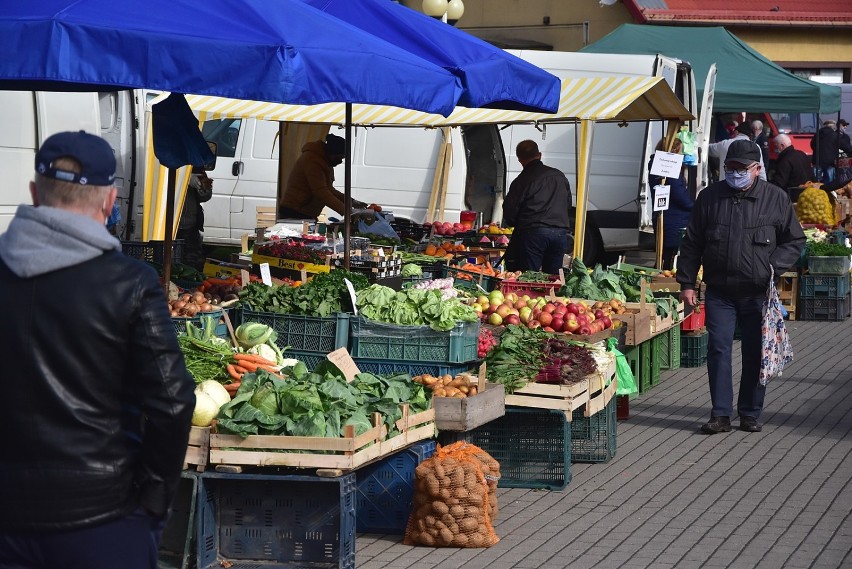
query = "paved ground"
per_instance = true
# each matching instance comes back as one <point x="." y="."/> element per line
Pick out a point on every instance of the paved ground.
<point x="673" y="498"/>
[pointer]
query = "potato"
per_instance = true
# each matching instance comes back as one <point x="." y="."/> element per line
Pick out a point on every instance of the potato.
<point x="457" y="511"/>
<point x="472" y="391"/>
<point x="440" y="508"/>
<point x="468" y="525"/>
<point x="475" y="540"/>
<point x="460" y="540"/>
<point x="445" y="494"/>
<point x="460" y="395"/>
<point x="450" y="391"/>
<point x="446" y="537"/>
<point x="426" y="539"/>
<point x="431" y="521"/>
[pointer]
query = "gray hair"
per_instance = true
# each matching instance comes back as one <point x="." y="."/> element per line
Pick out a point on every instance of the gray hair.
<point x="757" y="125"/>
<point x="68" y="195"/>
<point x="783" y="140"/>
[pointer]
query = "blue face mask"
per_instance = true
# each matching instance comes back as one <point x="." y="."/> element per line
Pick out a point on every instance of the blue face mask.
<point x="740" y="181"/>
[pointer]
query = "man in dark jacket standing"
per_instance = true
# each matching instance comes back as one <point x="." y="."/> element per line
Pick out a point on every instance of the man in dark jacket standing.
<point x="793" y="167"/>
<point x="740" y="229"/>
<point x="98" y="419"/>
<point x="538" y="207"/>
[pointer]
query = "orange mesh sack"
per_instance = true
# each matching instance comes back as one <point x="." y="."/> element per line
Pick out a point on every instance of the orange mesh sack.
<point x="455" y="499"/>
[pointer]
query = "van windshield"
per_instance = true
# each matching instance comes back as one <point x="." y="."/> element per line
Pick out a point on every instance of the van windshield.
<point x="795" y="122"/>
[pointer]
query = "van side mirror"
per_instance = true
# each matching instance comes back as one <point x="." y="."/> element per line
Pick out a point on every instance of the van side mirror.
<point x="214" y="149"/>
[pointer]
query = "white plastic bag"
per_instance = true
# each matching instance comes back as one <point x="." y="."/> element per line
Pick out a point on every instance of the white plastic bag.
<point x="776" y="349"/>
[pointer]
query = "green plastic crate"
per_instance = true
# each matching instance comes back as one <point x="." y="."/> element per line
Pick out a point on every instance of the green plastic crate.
<point x="674" y="348"/>
<point x="654" y="345"/>
<point x="313" y="334"/>
<point x="824" y="286"/>
<point x="380" y="341"/>
<point x="639" y="358"/>
<point x="693" y="349"/>
<point x="594" y="439"/>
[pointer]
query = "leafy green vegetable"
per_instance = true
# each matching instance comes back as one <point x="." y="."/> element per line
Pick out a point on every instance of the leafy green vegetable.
<point x="412" y="270"/>
<point x="823" y="249"/>
<point x="324" y="294"/>
<point x="414" y="307"/>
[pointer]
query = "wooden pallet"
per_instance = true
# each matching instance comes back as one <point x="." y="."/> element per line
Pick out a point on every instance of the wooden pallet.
<point x="198" y="449"/>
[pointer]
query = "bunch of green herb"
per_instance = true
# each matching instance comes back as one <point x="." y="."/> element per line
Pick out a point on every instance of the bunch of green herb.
<point x="823" y="249"/>
<point x="324" y="294"/>
<point x="517" y="359"/>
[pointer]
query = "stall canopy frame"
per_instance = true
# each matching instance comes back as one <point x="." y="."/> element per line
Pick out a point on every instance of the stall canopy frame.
<point x="583" y="100"/>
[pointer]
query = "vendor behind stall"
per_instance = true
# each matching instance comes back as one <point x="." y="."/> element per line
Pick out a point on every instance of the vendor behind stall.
<point x="310" y="186"/>
<point x="538" y="206"/>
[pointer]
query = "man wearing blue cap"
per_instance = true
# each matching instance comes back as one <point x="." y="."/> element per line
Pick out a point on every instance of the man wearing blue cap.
<point x="97" y="427"/>
<point x="740" y="230"/>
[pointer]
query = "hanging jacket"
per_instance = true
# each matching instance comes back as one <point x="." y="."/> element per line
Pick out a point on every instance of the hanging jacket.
<point x="736" y="235"/>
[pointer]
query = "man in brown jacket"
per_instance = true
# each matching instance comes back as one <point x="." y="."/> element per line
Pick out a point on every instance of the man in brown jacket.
<point x="310" y="186"/>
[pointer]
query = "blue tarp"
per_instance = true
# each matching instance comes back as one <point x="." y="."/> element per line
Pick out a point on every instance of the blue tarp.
<point x="268" y="50"/>
<point x="491" y="77"/>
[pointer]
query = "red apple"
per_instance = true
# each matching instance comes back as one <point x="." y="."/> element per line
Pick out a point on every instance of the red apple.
<point x="607" y="323"/>
<point x="557" y="324"/>
<point x="503" y="310"/>
<point x="520" y="303"/>
<point x="549" y="307"/>
<point x="512" y="319"/>
<point x="582" y="319"/>
<point x="548" y="329"/>
<point x="572" y="308"/>
<point x="599" y="313"/>
<point x="536" y="313"/>
<point x="582" y="308"/>
<point x="584" y="330"/>
<point x="545" y="318"/>
<point x="534" y="324"/>
<point x="571" y="325"/>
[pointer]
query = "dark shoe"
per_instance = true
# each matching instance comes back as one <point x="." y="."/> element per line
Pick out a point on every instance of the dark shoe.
<point x="717" y="425"/>
<point x="750" y="425"/>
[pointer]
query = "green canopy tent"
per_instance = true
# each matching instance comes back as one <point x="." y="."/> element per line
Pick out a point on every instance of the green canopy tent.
<point x="746" y="80"/>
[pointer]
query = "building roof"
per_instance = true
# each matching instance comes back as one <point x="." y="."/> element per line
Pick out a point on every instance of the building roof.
<point x="795" y="13"/>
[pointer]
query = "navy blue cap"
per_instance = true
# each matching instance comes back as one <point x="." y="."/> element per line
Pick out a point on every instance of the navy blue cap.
<point x="94" y="154"/>
<point x="335" y="145"/>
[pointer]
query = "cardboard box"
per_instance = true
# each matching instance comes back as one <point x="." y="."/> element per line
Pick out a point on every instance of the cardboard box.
<point x="221" y="270"/>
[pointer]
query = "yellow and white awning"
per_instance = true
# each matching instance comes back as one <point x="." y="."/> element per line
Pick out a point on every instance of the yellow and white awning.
<point x="625" y="98"/>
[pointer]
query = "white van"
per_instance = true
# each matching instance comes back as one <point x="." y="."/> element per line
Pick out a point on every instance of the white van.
<point x="28" y="118"/>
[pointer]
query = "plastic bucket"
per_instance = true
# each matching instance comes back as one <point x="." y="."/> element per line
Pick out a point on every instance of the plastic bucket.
<point x="467" y="218"/>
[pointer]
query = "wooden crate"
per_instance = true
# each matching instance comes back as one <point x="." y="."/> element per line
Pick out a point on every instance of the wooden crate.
<point x="788" y="292"/>
<point x="564" y="397"/>
<point x="343" y="453"/>
<point x="198" y="449"/>
<point x="467" y="413"/>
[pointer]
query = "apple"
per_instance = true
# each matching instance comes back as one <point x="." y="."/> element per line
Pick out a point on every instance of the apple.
<point x="525" y="314"/>
<point x="512" y="297"/>
<point x="582" y="319"/>
<point x="496" y="297"/>
<point x="582" y="308"/>
<point x="571" y="325"/>
<point x="495" y="319"/>
<point x="572" y="308"/>
<point x="526" y="298"/>
<point x="503" y="310"/>
<point x="534" y="324"/>
<point x="557" y="324"/>
<point x="545" y="318"/>
<point x="548" y="329"/>
<point x="536" y="313"/>
<point x="483" y="300"/>
<point x="514" y="311"/>
<point x="606" y="322"/>
<point x="491" y="308"/>
<point x="549" y="307"/>
<point x="520" y="303"/>
<point x="560" y="310"/>
<point x="584" y="330"/>
<point x="599" y="313"/>
<point x="513" y="319"/>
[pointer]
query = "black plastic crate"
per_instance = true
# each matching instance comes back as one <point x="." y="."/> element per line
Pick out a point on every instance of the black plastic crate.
<point x="178" y="540"/>
<point x="533" y="447"/>
<point x="152" y="251"/>
<point x="385" y="490"/>
<point x="594" y="439"/>
<point x="824" y="286"/>
<point x="693" y="349"/>
<point x="824" y="309"/>
<point x="253" y="521"/>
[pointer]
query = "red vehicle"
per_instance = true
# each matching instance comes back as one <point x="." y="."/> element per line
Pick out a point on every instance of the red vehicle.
<point x="800" y="127"/>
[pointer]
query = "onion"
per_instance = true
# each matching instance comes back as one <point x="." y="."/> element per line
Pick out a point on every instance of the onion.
<point x="206" y="307"/>
<point x="190" y="310"/>
<point x="186" y="297"/>
<point x="178" y="304"/>
<point x="199" y="298"/>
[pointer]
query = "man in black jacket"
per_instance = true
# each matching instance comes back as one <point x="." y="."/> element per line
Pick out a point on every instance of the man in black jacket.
<point x="740" y="230"/>
<point x="793" y="167"/>
<point x="100" y="402"/>
<point x="538" y="207"/>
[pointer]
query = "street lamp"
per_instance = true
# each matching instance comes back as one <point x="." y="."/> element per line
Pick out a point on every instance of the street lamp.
<point x="455" y="10"/>
<point x="435" y="8"/>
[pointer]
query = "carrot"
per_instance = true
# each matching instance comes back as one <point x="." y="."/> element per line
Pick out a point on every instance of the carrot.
<point x="240" y="369"/>
<point x="254" y="358"/>
<point x="250" y="367"/>
<point x="232" y="372"/>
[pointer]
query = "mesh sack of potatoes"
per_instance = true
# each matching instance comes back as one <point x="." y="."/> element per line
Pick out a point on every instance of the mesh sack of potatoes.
<point x="455" y="499"/>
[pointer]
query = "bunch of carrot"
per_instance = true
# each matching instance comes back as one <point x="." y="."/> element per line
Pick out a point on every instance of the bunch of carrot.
<point x="249" y="363"/>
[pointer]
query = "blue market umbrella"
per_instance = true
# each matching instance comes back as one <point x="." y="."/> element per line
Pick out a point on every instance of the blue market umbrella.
<point x="267" y="50"/>
<point x="491" y="77"/>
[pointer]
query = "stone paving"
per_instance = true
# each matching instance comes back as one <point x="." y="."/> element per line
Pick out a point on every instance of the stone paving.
<point x="673" y="498"/>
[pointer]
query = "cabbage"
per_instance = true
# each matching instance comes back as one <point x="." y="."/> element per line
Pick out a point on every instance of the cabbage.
<point x="252" y="333"/>
<point x="205" y="410"/>
<point x="215" y="390"/>
<point x="265" y="351"/>
<point x="412" y="270"/>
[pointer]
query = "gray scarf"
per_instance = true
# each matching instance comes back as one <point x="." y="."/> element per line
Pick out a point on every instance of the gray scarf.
<point x="45" y="239"/>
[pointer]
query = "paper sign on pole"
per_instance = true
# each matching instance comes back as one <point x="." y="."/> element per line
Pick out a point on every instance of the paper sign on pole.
<point x="661" y="197"/>
<point x="265" y="275"/>
<point x="352" y="295"/>
<point x="666" y="164"/>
